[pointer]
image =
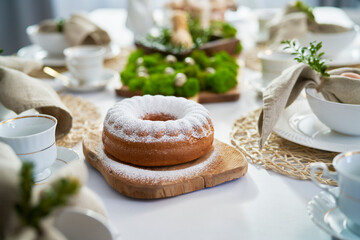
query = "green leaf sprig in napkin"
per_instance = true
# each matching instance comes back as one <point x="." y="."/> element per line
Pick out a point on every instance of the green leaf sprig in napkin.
<point x="311" y="56"/>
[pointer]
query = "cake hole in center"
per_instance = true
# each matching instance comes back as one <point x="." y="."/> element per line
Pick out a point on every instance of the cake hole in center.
<point x="158" y="117"/>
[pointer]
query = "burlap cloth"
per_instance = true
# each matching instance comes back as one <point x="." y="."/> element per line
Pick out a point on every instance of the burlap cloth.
<point x="292" y="24"/>
<point x="78" y="30"/>
<point x="283" y="91"/>
<point x="10" y="224"/>
<point x="20" y="92"/>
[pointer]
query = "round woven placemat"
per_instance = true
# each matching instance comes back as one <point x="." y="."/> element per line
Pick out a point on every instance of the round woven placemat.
<point x="86" y="117"/>
<point x="278" y="154"/>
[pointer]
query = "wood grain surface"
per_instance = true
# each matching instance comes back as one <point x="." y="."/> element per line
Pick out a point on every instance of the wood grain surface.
<point x="225" y="164"/>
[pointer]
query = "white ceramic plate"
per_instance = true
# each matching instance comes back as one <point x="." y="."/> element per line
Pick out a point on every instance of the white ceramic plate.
<point x="298" y="124"/>
<point x="37" y="53"/>
<point x="99" y="84"/>
<point x="324" y="213"/>
<point x="64" y="156"/>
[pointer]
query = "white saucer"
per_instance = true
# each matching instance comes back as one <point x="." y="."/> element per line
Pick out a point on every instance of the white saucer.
<point x="324" y="213"/>
<point x="107" y="76"/>
<point x="64" y="156"/>
<point x="37" y="53"/>
<point x="298" y="124"/>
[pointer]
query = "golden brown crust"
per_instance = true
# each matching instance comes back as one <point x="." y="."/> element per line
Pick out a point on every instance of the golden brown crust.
<point x="157" y="153"/>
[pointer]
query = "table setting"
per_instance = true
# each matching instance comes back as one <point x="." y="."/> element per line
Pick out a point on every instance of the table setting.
<point x="194" y="129"/>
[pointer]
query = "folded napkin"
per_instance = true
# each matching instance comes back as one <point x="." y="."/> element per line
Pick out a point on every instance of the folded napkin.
<point x="283" y="91"/>
<point x="293" y="24"/>
<point x="20" y="64"/>
<point x="10" y="225"/>
<point x="19" y="92"/>
<point x="79" y="29"/>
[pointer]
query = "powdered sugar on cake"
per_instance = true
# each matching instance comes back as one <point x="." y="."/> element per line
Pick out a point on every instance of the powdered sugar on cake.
<point x="124" y="119"/>
<point x="154" y="176"/>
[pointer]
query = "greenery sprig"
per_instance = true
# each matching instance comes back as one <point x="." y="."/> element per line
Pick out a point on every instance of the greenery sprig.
<point x="50" y="198"/>
<point x="60" y="24"/>
<point x="310" y="56"/>
<point x="303" y="7"/>
<point x="1" y="50"/>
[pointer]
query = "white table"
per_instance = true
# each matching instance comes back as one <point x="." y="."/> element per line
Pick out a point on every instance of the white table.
<point x="260" y="205"/>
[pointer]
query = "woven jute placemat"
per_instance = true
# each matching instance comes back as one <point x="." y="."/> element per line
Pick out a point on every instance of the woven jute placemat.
<point x="86" y="117"/>
<point x="278" y="154"/>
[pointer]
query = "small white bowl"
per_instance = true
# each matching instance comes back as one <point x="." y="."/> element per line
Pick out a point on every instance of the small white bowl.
<point x="78" y="223"/>
<point x="273" y="63"/>
<point x="53" y="43"/>
<point x="332" y="43"/>
<point x="340" y="117"/>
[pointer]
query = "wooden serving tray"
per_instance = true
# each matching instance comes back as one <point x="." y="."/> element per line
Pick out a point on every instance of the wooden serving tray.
<point x="223" y="163"/>
<point x="228" y="45"/>
<point x="202" y="97"/>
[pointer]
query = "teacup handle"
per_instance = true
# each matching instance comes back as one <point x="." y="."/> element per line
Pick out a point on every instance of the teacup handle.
<point x="332" y="175"/>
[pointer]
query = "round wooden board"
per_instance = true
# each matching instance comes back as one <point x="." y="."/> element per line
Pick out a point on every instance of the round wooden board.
<point x="225" y="164"/>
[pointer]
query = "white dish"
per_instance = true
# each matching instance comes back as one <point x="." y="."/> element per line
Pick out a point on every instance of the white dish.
<point x="78" y="223"/>
<point x="64" y="156"/>
<point x="96" y="85"/>
<point x="349" y="56"/>
<point x="324" y="213"/>
<point x="52" y="42"/>
<point x="37" y="53"/>
<point x="340" y="117"/>
<point x="298" y="124"/>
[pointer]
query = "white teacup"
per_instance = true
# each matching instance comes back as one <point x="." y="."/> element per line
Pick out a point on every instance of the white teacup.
<point x="78" y="223"/>
<point x="85" y="63"/>
<point x="273" y="63"/>
<point x="32" y="138"/>
<point x="347" y="175"/>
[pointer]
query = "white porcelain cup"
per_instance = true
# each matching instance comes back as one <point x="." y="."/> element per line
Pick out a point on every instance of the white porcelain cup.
<point x="78" y="223"/>
<point x="32" y="138"/>
<point x="85" y="62"/>
<point x="347" y="175"/>
<point x="273" y="63"/>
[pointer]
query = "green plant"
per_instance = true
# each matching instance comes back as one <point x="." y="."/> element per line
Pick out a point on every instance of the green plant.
<point x="60" y="25"/>
<point x="309" y="55"/>
<point x="303" y="7"/>
<point x="158" y="81"/>
<point x="1" y="50"/>
<point x="50" y="198"/>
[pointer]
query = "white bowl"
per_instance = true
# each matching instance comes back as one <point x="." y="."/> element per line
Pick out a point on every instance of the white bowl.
<point x="77" y="223"/>
<point x="332" y="43"/>
<point x="273" y="63"/>
<point x="340" y="117"/>
<point x="53" y="43"/>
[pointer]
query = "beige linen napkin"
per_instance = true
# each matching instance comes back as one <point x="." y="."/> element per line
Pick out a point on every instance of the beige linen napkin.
<point x="79" y="29"/>
<point x="19" y="92"/>
<point x="10" y="227"/>
<point x="283" y="91"/>
<point x="294" y="24"/>
<point x="20" y="64"/>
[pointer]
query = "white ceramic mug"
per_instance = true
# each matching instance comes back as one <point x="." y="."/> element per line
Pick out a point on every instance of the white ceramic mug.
<point x="85" y="62"/>
<point x="78" y="223"/>
<point x="273" y="63"/>
<point x="347" y="175"/>
<point x="32" y="138"/>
